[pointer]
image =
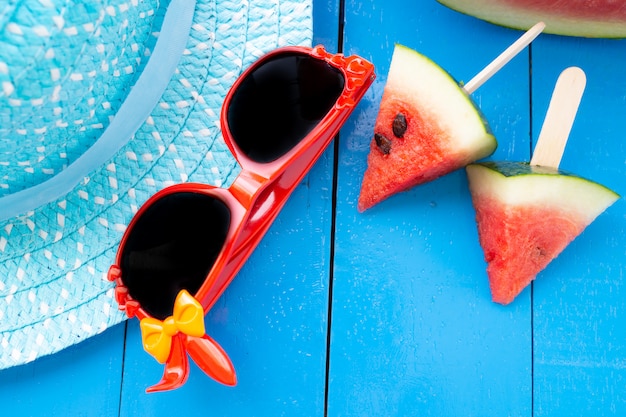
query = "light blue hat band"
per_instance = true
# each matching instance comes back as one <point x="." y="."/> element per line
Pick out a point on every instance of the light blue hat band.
<point x="143" y="97"/>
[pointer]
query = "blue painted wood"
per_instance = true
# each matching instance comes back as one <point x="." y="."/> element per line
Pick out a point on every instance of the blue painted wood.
<point x="82" y="380"/>
<point x="326" y="24"/>
<point x="580" y="299"/>
<point x="413" y="330"/>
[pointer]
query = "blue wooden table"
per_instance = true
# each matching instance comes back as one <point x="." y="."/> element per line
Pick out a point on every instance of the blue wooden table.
<point x="388" y="313"/>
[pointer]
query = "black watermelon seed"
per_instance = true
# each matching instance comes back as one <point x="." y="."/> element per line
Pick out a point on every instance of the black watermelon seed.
<point x="399" y="125"/>
<point x="383" y="143"/>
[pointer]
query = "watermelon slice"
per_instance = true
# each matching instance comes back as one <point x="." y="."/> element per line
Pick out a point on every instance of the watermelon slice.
<point x="527" y="215"/>
<point x="593" y="19"/>
<point x="427" y="126"/>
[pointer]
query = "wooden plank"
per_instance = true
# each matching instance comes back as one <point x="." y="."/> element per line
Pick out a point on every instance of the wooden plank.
<point x="414" y="330"/>
<point x="580" y="299"/>
<point x="82" y="380"/>
<point x="326" y="24"/>
<point x="272" y="320"/>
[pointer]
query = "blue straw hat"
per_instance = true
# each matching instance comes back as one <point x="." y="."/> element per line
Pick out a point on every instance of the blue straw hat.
<point x="102" y="105"/>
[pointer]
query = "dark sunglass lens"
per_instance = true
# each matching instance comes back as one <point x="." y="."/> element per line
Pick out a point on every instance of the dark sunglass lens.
<point x="280" y="102"/>
<point x="173" y="247"/>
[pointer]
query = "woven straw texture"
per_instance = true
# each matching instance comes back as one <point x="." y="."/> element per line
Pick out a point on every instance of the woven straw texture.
<point x="65" y="70"/>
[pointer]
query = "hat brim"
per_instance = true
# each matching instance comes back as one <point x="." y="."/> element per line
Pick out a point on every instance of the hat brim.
<point x="57" y="243"/>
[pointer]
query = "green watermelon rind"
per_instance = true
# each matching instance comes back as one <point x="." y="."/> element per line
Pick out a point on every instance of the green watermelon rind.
<point x="506" y="14"/>
<point x="529" y="184"/>
<point x="489" y="141"/>
<point x="454" y="81"/>
<point x="415" y="83"/>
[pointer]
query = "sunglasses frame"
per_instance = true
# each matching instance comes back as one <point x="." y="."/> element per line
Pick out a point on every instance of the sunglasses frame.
<point x="254" y="199"/>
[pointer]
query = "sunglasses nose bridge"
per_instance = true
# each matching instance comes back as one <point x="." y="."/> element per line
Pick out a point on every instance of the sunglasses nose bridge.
<point x="246" y="186"/>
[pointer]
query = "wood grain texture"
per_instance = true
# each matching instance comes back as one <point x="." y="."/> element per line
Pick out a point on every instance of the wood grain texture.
<point x="82" y="380"/>
<point x="580" y="299"/>
<point x="413" y="329"/>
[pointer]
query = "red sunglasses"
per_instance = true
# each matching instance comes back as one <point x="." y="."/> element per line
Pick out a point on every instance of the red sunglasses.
<point x="186" y="243"/>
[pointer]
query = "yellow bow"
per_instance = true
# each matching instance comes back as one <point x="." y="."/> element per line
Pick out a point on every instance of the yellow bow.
<point x="187" y="318"/>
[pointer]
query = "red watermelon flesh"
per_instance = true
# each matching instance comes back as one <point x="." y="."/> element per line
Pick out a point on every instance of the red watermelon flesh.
<point x="595" y="18"/>
<point x="518" y="242"/>
<point x="526" y="216"/>
<point x="426" y="127"/>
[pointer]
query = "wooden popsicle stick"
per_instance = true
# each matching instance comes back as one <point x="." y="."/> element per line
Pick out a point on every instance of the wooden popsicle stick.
<point x="560" y="116"/>
<point x="502" y="59"/>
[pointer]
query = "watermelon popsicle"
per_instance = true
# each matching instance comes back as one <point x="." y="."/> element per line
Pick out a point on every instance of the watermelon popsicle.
<point x="427" y="125"/>
<point x="527" y="213"/>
